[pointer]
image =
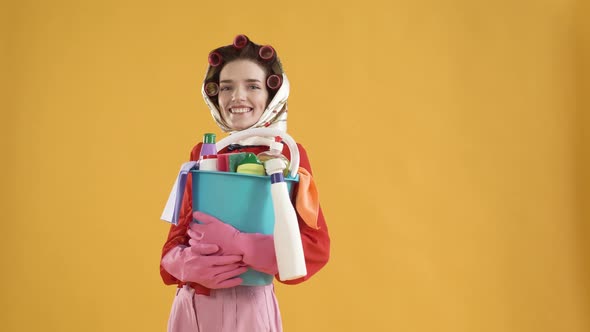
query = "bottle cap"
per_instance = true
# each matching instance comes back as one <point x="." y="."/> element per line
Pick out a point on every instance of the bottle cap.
<point x="209" y="138"/>
<point x="277" y="145"/>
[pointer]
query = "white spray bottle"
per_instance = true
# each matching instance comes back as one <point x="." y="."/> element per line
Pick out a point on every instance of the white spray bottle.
<point x="288" y="246"/>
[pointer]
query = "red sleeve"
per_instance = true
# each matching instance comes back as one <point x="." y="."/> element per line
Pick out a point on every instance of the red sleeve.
<point x="316" y="242"/>
<point x="177" y="234"/>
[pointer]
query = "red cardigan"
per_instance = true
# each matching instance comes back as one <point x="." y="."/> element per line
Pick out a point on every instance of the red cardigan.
<point x="316" y="242"/>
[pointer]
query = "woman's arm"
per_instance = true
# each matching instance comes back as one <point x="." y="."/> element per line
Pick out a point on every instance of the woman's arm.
<point x="177" y="235"/>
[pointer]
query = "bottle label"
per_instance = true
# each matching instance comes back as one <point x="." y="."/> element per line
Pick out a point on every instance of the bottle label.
<point x="277" y="177"/>
<point x="209" y="164"/>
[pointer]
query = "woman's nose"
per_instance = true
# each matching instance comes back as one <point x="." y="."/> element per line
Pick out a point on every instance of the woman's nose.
<point x="238" y="94"/>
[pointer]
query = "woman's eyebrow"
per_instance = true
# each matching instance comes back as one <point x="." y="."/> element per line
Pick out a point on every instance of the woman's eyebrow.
<point x="247" y="80"/>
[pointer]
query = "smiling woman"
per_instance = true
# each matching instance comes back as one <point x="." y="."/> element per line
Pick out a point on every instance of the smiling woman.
<point x="245" y="87"/>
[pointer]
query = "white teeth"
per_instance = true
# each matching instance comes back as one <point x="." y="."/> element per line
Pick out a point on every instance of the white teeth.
<point x="240" y="110"/>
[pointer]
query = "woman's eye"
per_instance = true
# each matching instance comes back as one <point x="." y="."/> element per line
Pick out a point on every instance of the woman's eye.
<point x="253" y="87"/>
<point x="225" y="88"/>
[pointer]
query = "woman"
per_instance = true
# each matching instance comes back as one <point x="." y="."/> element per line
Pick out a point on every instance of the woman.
<point x="245" y="87"/>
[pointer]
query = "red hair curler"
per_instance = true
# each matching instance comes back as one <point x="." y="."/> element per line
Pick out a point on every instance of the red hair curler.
<point x="211" y="89"/>
<point x="274" y="82"/>
<point x="240" y="41"/>
<point x="266" y="53"/>
<point x="215" y="59"/>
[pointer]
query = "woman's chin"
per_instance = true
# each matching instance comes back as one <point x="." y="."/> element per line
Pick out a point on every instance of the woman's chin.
<point x="241" y="125"/>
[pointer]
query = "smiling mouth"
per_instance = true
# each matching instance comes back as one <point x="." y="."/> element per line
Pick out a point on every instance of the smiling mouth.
<point x="240" y="110"/>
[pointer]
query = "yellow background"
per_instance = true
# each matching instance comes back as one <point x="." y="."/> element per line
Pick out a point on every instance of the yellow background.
<point x="449" y="141"/>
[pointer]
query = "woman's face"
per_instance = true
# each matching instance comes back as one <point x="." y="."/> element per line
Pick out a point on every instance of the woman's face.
<point x="242" y="93"/>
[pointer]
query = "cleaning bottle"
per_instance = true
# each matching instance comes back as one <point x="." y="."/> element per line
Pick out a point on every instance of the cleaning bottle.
<point x="288" y="246"/>
<point x="276" y="149"/>
<point x="208" y="147"/>
<point x="208" y="155"/>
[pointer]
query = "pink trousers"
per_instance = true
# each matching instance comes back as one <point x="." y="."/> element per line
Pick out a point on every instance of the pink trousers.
<point x="237" y="309"/>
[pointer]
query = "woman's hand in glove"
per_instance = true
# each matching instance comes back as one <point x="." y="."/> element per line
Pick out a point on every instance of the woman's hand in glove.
<point x="198" y="264"/>
<point x="258" y="250"/>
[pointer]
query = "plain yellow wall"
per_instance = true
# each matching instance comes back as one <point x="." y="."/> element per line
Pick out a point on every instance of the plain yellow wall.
<point x="448" y="139"/>
<point x="582" y="68"/>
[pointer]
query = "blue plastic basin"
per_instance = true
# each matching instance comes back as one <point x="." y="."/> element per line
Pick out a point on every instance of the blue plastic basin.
<point x="241" y="200"/>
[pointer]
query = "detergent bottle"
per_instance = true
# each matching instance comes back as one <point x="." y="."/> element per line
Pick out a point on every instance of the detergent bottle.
<point x="208" y="147"/>
<point x="287" y="239"/>
<point x="208" y="155"/>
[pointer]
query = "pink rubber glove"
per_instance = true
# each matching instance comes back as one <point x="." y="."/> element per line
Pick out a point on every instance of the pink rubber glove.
<point x="193" y="264"/>
<point x="257" y="249"/>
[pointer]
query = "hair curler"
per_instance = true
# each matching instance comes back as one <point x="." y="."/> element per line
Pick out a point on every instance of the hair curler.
<point x="274" y="82"/>
<point x="266" y="53"/>
<point x="215" y="59"/>
<point x="211" y="89"/>
<point x="240" y="41"/>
